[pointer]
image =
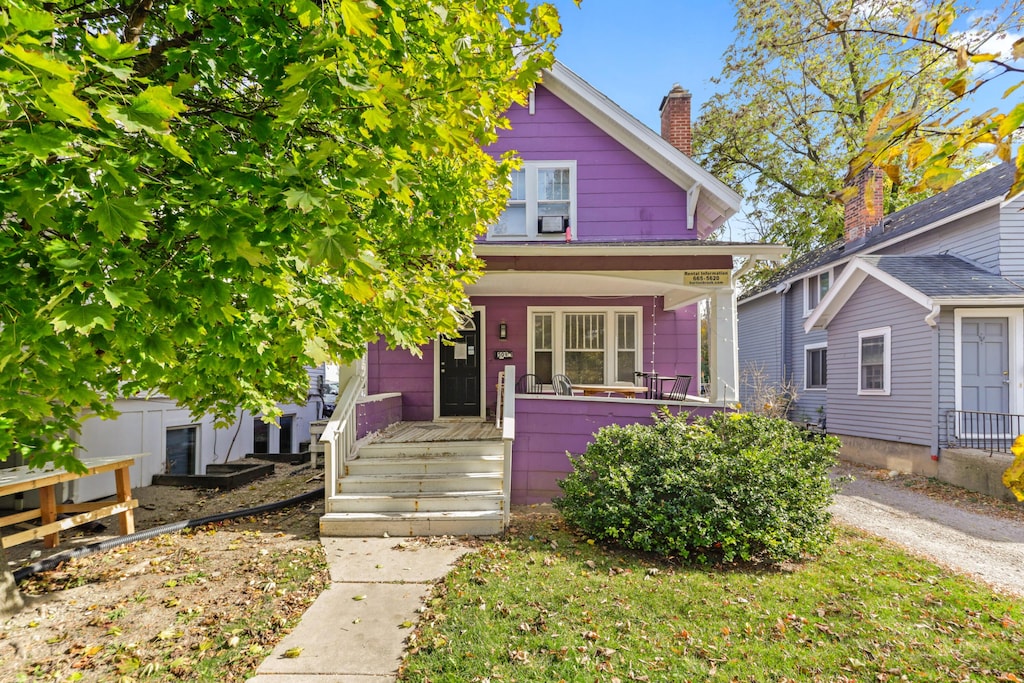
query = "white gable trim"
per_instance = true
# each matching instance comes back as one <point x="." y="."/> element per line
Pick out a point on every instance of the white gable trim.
<point x="849" y="281"/>
<point x="718" y="201"/>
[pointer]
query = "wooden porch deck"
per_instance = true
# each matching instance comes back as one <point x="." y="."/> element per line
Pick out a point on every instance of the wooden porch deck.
<point x="418" y="432"/>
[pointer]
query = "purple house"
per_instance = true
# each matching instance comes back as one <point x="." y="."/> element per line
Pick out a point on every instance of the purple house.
<point x="586" y="315"/>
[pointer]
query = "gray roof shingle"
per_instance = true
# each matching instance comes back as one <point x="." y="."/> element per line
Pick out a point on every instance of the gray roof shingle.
<point x="976" y="190"/>
<point x="945" y="276"/>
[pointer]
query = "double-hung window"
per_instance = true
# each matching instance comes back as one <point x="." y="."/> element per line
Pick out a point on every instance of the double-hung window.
<point x="815" y="289"/>
<point x="815" y="366"/>
<point x="542" y="202"/>
<point x="873" y="356"/>
<point x="589" y="345"/>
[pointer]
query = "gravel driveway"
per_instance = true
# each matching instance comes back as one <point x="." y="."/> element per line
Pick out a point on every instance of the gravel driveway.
<point x="987" y="548"/>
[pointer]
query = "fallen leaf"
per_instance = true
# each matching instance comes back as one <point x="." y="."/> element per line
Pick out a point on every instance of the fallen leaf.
<point x="359" y="597"/>
<point x="292" y="653"/>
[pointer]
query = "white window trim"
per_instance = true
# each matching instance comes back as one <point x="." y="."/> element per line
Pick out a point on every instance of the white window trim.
<point x="807" y="289"/>
<point x="531" y="168"/>
<point x="886" y="334"/>
<point x="558" y="336"/>
<point x="1015" y="332"/>
<point x="807" y="372"/>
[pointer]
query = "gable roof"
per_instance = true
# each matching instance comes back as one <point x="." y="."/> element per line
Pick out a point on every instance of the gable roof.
<point x="715" y="201"/>
<point x="931" y="280"/>
<point x="974" y="194"/>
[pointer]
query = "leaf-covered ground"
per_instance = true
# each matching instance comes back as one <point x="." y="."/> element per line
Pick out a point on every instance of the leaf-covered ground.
<point x="203" y="604"/>
<point x="546" y="603"/>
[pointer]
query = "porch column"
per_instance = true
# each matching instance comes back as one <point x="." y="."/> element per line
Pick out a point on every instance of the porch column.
<point x="723" y="355"/>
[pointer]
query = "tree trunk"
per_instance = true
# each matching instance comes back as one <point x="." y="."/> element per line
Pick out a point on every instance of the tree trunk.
<point x="11" y="601"/>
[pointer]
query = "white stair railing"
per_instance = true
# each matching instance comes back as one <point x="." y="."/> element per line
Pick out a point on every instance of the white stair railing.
<point x="507" y="399"/>
<point x="339" y="436"/>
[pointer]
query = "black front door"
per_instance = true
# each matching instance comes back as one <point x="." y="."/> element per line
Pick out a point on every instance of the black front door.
<point x="460" y="372"/>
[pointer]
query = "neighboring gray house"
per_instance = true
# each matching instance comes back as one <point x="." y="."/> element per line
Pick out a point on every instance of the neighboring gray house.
<point x="908" y="334"/>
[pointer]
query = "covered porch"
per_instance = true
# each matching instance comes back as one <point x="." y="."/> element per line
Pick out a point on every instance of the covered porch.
<point x="660" y="284"/>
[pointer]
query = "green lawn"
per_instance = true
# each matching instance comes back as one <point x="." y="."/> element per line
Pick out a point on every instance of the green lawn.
<point x="547" y="605"/>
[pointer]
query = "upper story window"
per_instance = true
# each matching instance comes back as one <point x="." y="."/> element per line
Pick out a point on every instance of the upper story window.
<point x="542" y="202"/>
<point x="873" y="361"/>
<point x="815" y="288"/>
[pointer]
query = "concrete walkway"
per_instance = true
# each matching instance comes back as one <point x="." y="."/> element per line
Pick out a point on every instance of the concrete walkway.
<point x="355" y="631"/>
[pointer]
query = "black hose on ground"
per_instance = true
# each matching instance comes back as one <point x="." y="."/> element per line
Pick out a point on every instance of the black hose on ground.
<point x="53" y="561"/>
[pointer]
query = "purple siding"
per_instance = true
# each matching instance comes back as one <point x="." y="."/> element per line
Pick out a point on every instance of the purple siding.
<point x="546" y="428"/>
<point x="375" y="412"/>
<point x="619" y="196"/>
<point x="669" y="347"/>
<point x="397" y="370"/>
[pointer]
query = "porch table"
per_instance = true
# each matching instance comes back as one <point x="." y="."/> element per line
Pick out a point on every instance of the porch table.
<point x="19" y="479"/>
<point x="598" y="389"/>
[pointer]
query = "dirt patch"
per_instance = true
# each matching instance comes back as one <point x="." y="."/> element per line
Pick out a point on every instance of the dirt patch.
<point x="201" y="604"/>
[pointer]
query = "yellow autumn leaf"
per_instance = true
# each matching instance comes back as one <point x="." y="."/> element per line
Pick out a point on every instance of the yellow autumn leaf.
<point x="983" y="57"/>
<point x="1018" y="48"/>
<point x="1013" y="477"/>
<point x="292" y="653"/>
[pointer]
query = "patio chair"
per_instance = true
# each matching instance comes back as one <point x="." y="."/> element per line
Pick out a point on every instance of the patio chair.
<point x="562" y="384"/>
<point x="679" y="388"/>
<point x="528" y="384"/>
<point x="649" y="380"/>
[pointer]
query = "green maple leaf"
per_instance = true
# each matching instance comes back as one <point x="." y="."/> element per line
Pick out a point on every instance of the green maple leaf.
<point x="120" y="216"/>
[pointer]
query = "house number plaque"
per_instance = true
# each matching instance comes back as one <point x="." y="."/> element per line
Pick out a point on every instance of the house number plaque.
<point x="502" y="355"/>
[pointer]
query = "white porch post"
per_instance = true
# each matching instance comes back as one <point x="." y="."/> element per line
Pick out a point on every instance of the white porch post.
<point x="723" y="355"/>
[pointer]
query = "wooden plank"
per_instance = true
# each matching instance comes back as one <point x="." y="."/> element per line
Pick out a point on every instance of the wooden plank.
<point x="52" y="529"/>
<point x="48" y="514"/>
<point x="17" y="517"/>
<point x="23" y="478"/>
<point x="126" y="519"/>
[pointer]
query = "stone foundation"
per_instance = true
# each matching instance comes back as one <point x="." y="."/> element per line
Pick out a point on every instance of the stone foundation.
<point x="890" y="455"/>
<point x="976" y="471"/>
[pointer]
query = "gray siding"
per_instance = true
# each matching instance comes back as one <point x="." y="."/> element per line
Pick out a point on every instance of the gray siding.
<point x="759" y="331"/>
<point x="975" y="238"/>
<point x="907" y="415"/>
<point x="1011" y="243"/>
<point x="805" y="409"/>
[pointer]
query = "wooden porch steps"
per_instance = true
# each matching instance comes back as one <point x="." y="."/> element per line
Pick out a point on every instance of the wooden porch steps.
<point x="420" y="488"/>
<point x="456" y="523"/>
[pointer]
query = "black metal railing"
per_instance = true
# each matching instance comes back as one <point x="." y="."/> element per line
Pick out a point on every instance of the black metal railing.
<point x="992" y="432"/>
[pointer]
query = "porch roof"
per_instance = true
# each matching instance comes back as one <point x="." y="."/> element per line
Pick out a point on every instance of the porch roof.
<point x="932" y="280"/>
<point x="641" y="268"/>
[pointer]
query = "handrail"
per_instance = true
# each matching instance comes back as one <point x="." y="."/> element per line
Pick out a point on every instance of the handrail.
<point x="985" y="431"/>
<point x="508" y="435"/>
<point x="339" y="435"/>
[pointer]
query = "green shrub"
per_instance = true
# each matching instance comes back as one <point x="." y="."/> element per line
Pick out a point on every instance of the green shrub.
<point x="730" y="486"/>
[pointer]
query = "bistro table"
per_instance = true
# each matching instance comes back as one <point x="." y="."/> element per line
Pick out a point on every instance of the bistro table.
<point x="23" y="478"/>
<point x="597" y="389"/>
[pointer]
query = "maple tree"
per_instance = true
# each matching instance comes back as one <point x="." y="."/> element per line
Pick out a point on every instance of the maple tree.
<point x="933" y="138"/>
<point x="793" y="113"/>
<point x="201" y="198"/>
<point x="818" y="89"/>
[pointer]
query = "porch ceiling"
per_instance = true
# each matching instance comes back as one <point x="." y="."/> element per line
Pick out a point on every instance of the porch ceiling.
<point x="604" y="284"/>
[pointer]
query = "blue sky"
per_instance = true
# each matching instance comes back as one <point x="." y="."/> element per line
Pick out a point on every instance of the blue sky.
<point x="635" y="50"/>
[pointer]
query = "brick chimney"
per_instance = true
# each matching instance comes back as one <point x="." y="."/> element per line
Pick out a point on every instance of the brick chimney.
<point x="675" y="119"/>
<point x="865" y="210"/>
